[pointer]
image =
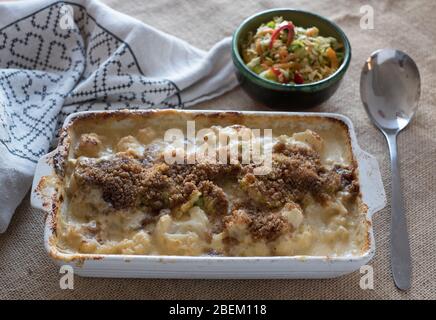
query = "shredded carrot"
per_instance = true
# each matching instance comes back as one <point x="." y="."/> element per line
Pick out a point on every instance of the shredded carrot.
<point x="312" y="32"/>
<point x="331" y="54"/>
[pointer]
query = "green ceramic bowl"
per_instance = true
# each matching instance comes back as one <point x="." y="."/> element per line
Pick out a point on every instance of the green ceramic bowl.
<point x="289" y="96"/>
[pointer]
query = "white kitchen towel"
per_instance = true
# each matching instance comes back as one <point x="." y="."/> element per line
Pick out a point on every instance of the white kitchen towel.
<point x="59" y="57"/>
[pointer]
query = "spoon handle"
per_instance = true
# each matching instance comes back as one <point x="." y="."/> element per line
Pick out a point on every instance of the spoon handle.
<point x="400" y="248"/>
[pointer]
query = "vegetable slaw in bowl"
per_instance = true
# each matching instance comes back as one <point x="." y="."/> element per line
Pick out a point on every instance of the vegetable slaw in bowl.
<point x="279" y="87"/>
<point x="281" y="52"/>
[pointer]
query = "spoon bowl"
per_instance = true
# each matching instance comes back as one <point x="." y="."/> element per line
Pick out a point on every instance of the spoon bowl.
<point x="390" y="87"/>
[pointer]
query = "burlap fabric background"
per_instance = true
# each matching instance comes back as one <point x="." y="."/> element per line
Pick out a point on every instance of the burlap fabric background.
<point x="27" y="272"/>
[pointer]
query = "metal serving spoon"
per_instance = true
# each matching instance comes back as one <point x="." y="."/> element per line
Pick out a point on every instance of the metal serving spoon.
<point x="390" y="87"/>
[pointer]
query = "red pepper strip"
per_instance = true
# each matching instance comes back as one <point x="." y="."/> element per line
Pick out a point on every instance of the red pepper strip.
<point x="291" y="33"/>
<point x="298" y="78"/>
<point x="276" y="71"/>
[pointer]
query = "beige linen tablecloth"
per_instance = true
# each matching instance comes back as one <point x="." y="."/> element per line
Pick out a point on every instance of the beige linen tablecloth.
<point x="27" y="272"/>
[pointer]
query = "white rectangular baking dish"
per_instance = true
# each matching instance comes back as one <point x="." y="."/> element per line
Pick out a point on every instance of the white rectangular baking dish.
<point x="293" y="267"/>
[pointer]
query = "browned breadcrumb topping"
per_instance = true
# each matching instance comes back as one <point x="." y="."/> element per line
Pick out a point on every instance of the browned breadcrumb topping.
<point x="261" y="224"/>
<point x="214" y="199"/>
<point x="118" y="178"/>
<point x="268" y="226"/>
<point x="126" y="183"/>
<point x="293" y="176"/>
<point x="157" y="187"/>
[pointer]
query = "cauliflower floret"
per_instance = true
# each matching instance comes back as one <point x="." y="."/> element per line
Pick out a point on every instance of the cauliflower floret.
<point x="131" y="146"/>
<point x="90" y="145"/>
<point x="237" y="225"/>
<point x="249" y="184"/>
<point x="310" y="138"/>
<point x="183" y="237"/>
<point x="140" y="243"/>
<point x="293" y="215"/>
